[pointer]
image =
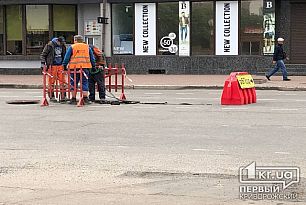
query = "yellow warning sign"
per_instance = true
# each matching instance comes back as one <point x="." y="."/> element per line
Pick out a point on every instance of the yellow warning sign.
<point x="245" y="81"/>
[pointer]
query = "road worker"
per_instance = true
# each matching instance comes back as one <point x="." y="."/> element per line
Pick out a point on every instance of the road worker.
<point x="79" y="55"/>
<point x="52" y="56"/>
<point x="96" y="75"/>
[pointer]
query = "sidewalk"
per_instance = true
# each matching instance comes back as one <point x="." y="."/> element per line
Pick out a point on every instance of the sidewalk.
<point x="298" y="83"/>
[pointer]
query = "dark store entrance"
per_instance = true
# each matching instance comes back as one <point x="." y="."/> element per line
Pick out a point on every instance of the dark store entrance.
<point x="298" y="33"/>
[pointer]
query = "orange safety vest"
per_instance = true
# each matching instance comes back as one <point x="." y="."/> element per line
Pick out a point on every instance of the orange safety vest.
<point x="80" y="57"/>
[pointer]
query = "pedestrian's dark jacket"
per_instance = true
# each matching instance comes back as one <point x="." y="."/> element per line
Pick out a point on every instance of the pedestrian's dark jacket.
<point x="279" y="53"/>
<point x="47" y="56"/>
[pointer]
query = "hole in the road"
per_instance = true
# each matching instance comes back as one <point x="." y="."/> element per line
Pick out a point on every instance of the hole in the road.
<point x="22" y="102"/>
<point x="157" y="71"/>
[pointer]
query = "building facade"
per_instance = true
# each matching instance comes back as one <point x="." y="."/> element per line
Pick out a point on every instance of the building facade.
<point x="161" y="36"/>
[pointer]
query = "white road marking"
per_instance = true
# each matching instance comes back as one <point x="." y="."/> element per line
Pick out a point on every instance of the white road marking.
<point x="184" y="107"/>
<point x="184" y="93"/>
<point x="225" y="125"/>
<point x="100" y="106"/>
<point x="187" y="98"/>
<point x="290" y="94"/>
<point x="122" y="146"/>
<point x="145" y="107"/>
<point x="153" y="93"/>
<point x="217" y="150"/>
<point x="32" y="92"/>
<point x="285" y="153"/>
<point x="284" y="109"/>
<point x="282" y="100"/>
<point x="23" y="105"/>
<point x="287" y="127"/>
<point x="149" y="97"/>
<point x="8" y="96"/>
<point x="211" y="93"/>
<point x="208" y="150"/>
<point x="235" y="108"/>
<point x="266" y="99"/>
<point x="200" y="149"/>
<point x="293" y="127"/>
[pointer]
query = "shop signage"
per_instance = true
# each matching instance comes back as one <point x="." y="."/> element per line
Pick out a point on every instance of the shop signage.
<point x="145" y="29"/>
<point x="227" y="28"/>
<point x="167" y="43"/>
<point x="184" y="28"/>
<point x="102" y="20"/>
<point x="269" y="27"/>
<point x="92" y="27"/>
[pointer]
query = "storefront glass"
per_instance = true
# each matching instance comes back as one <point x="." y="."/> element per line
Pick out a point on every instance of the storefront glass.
<point x="37" y="20"/>
<point x="202" y="38"/>
<point x="251" y="27"/>
<point x="64" y="21"/>
<point x="1" y="31"/>
<point x="168" y="27"/>
<point x="122" y="28"/>
<point x="14" y="29"/>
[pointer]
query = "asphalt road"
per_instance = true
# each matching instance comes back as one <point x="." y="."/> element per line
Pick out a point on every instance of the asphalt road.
<point x="146" y="153"/>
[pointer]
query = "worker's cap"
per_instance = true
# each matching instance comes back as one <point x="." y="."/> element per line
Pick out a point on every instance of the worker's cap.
<point x="61" y="39"/>
<point x="280" y="39"/>
<point x="78" y="38"/>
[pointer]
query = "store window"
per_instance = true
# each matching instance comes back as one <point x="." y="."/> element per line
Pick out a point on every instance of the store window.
<point x="64" y="21"/>
<point x="14" y="29"/>
<point x="251" y="27"/>
<point x="122" y="28"/>
<point x="1" y="31"/>
<point x="168" y="27"/>
<point x="202" y="38"/>
<point x="37" y="21"/>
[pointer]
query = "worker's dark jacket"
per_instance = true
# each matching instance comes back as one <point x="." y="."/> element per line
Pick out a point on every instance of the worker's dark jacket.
<point x="279" y="53"/>
<point x="47" y="56"/>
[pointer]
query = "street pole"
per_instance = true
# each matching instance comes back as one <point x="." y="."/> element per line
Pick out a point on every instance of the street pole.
<point x="103" y="14"/>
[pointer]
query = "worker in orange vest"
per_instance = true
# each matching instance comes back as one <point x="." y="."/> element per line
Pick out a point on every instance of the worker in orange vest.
<point x="79" y="55"/>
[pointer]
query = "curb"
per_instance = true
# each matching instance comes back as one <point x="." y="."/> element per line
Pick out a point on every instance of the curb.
<point x="164" y="87"/>
<point x="174" y="87"/>
<point x="20" y="86"/>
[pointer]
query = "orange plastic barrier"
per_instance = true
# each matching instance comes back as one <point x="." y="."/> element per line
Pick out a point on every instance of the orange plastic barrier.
<point x="59" y="90"/>
<point x="76" y="89"/>
<point x="115" y="71"/>
<point x="237" y="91"/>
<point x="44" y="101"/>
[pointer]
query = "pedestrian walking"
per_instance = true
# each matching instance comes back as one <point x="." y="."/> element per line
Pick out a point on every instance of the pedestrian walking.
<point x="52" y="56"/>
<point x="96" y="76"/>
<point x="79" y="55"/>
<point x="278" y="59"/>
